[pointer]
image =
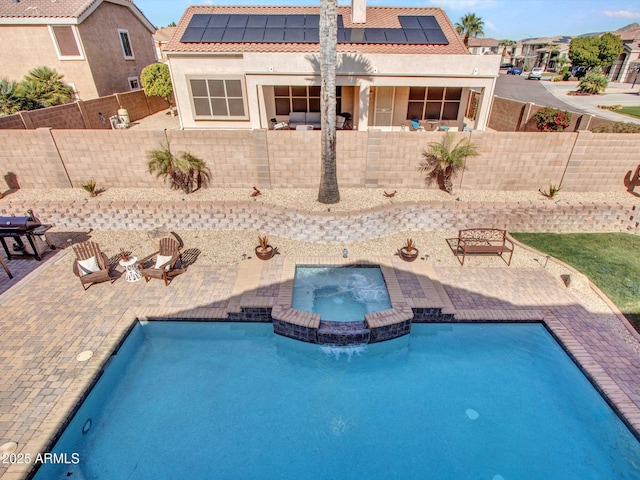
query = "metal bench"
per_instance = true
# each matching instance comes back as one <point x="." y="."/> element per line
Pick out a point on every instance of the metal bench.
<point x="481" y="241"/>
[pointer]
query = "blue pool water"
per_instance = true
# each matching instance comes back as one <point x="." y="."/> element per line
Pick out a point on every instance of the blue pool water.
<point x="450" y="401"/>
<point x="340" y="294"/>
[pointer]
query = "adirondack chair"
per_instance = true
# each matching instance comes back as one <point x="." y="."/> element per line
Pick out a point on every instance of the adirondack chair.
<point x="165" y="265"/>
<point x="91" y="265"/>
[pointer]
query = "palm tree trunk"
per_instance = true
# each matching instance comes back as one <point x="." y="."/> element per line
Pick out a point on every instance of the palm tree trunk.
<point x="328" y="191"/>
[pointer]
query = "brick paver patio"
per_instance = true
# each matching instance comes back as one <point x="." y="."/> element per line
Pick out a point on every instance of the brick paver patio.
<point x="48" y="321"/>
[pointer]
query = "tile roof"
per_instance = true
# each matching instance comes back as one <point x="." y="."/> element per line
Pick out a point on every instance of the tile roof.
<point x="44" y="8"/>
<point x="377" y="17"/>
<point x="164" y="34"/>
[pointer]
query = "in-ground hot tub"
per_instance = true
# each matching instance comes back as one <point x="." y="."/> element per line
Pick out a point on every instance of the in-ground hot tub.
<point x="340" y="294"/>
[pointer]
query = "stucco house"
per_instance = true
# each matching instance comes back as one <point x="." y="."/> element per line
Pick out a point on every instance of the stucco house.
<point x="161" y="39"/>
<point x="100" y="46"/>
<point x="239" y="67"/>
<point x="484" y="46"/>
<point x="627" y="66"/>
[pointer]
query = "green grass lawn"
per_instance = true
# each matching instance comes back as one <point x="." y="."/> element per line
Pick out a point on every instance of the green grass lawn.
<point x="610" y="260"/>
<point x="632" y="111"/>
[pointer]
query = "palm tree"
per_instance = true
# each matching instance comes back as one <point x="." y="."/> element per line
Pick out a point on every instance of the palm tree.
<point x="328" y="191"/>
<point x="10" y="102"/>
<point x="470" y="26"/>
<point x="184" y="172"/>
<point x="45" y="86"/>
<point x="505" y="44"/>
<point x="442" y="160"/>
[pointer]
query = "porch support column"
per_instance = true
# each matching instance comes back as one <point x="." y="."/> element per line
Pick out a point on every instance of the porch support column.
<point x="363" y="107"/>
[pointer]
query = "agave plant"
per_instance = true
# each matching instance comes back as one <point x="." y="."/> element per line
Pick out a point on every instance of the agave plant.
<point x="442" y="160"/>
<point x="184" y="172"/>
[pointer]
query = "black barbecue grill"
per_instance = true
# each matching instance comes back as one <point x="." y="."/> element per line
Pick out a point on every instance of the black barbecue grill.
<point x="18" y="228"/>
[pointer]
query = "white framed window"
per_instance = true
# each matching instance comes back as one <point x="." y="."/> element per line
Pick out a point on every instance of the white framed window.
<point x="301" y="99"/>
<point x="218" y="98"/>
<point x="434" y="103"/>
<point x="66" y="41"/>
<point x="134" y="83"/>
<point x="125" y="43"/>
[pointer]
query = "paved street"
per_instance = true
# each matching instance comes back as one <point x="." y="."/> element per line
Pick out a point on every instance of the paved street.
<point x="554" y="94"/>
<point x="519" y="88"/>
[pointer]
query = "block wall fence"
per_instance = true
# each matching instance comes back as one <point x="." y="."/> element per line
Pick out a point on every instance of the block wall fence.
<point x="576" y="161"/>
<point x="85" y="114"/>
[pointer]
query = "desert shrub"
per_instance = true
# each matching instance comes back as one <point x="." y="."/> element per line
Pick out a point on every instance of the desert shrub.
<point x="550" y="119"/>
<point x="616" y="127"/>
<point x="593" y="82"/>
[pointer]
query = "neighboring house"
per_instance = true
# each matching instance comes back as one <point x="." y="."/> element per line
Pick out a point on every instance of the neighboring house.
<point x="484" y="46"/>
<point x="627" y="66"/>
<point x="239" y="67"/>
<point x="100" y="46"/>
<point x="160" y="40"/>
<point x="539" y="52"/>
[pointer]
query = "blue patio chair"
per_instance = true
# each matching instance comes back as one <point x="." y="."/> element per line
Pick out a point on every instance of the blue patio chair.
<point x="415" y="124"/>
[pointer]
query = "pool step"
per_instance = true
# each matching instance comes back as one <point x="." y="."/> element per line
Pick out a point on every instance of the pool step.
<point x="343" y="333"/>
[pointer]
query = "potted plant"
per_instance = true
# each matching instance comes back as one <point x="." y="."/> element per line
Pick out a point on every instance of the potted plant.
<point x="264" y="251"/>
<point x="409" y="252"/>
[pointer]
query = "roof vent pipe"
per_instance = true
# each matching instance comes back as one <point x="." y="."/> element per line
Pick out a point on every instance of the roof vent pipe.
<point x="358" y="11"/>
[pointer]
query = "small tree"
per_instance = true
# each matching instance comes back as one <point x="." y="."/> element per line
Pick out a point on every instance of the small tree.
<point x="184" y="172"/>
<point x="156" y="81"/>
<point x="550" y="119"/>
<point x="43" y="87"/>
<point x="609" y="48"/>
<point x="594" y="82"/>
<point x="443" y="160"/>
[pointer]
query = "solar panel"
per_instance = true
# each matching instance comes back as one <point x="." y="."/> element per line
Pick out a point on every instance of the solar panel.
<point x="192" y="35"/>
<point x="311" y="35"/>
<point x="312" y="21"/>
<point x="295" y="21"/>
<point x="237" y="21"/>
<point x="436" y="37"/>
<point x="233" y="35"/>
<point x="409" y="22"/>
<point x="257" y="21"/>
<point x="212" y="35"/>
<point x="199" y="20"/>
<point x="253" y="35"/>
<point x="395" y="35"/>
<point x="415" y="37"/>
<point x="374" y="35"/>
<point x="428" y="22"/>
<point x="218" y="20"/>
<point x="208" y="28"/>
<point x="294" y="35"/>
<point x="273" y="35"/>
<point x="276" y="21"/>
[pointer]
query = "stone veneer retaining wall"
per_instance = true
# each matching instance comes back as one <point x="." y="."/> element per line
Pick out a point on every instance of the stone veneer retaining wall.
<point x="334" y="227"/>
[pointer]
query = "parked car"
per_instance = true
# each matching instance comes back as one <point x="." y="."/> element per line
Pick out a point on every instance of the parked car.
<point x="514" y="71"/>
<point x="535" y="73"/>
<point x="506" y="65"/>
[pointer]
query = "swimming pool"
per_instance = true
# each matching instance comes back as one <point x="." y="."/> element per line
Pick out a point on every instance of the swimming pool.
<point x="449" y="401"/>
<point x="340" y="294"/>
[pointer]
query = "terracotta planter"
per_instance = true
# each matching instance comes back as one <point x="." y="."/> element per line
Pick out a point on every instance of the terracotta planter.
<point x="408" y="256"/>
<point x="265" y="254"/>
